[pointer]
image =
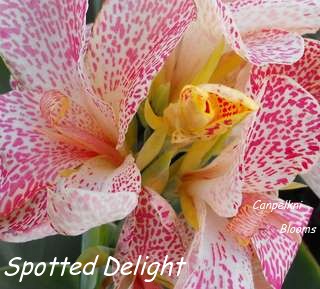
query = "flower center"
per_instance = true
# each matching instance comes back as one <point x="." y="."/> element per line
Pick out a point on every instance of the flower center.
<point x="73" y="124"/>
<point x="205" y="111"/>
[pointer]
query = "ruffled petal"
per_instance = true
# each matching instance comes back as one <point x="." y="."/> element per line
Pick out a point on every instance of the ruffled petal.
<point x="215" y="260"/>
<point x="271" y="244"/>
<point x="96" y="194"/>
<point x="276" y="250"/>
<point x="151" y="230"/>
<point x="130" y="41"/>
<point x="312" y="178"/>
<point x="219" y="184"/>
<point x="26" y="222"/>
<point x="78" y="124"/>
<point x="30" y="162"/>
<point x="42" y="42"/>
<point x="305" y="71"/>
<point x="283" y="140"/>
<point x="37" y="232"/>
<point x="267" y="31"/>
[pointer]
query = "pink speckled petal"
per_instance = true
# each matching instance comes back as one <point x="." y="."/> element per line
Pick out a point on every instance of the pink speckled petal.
<point x="130" y="42"/>
<point x="283" y="140"/>
<point x="42" y="42"/>
<point x="268" y="31"/>
<point x="26" y="221"/>
<point x="151" y="230"/>
<point x="215" y="260"/>
<point x="78" y="124"/>
<point x="96" y="194"/>
<point x="312" y="178"/>
<point x="219" y="184"/>
<point x="305" y="71"/>
<point x="185" y="230"/>
<point x="30" y="162"/>
<point x="275" y="250"/>
<point x="36" y="232"/>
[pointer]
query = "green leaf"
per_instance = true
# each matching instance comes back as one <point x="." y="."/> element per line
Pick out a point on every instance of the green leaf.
<point x="106" y="235"/>
<point x="43" y="250"/>
<point x="94" y="8"/>
<point x="4" y="77"/>
<point x="56" y="281"/>
<point x="304" y="273"/>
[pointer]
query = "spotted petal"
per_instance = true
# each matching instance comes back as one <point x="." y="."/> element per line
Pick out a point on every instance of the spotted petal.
<point x="283" y="140"/>
<point x="42" y="42"/>
<point x="130" y="41"/>
<point x="78" y="124"/>
<point x="96" y="194"/>
<point x="30" y="162"/>
<point x="27" y="221"/>
<point x="271" y="245"/>
<point x="215" y="260"/>
<point x="151" y="230"/>
<point x="267" y="31"/>
<point x="40" y="231"/>
<point x="305" y="71"/>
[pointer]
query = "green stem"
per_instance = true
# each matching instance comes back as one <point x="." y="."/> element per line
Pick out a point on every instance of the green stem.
<point x="89" y="239"/>
<point x="105" y="235"/>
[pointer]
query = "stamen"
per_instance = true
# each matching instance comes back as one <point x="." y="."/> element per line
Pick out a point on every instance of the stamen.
<point x="54" y="106"/>
<point x="246" y="223"/>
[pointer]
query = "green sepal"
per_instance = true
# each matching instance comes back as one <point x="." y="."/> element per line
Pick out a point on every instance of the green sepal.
<point x="160" y="99"/>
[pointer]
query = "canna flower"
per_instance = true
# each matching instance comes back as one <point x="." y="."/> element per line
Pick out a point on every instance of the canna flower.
<point x="64" y="165"/>
<point x="237" y="246"/>
<point x="201" y="70"/>
<point x="203" y="58"/>
<point x="152" y="231"/>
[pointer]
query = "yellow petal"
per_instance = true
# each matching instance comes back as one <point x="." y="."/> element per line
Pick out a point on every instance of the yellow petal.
<point x="157" y="174"/>
<point x="192" y="159"/>
<point x="132" y="134"/>
<point x="90" y="254"/>
<point x="151" y="118"/>
<point x="160" y="99"/>
<point x="231" y="95"/>
<point x="189" y="210"/>
<point x="216" y="148"/>
<point x="151" y="148"/>
<point x="229" y="64"/>
<point x="163" y="281"/>
<point x="294" y="186"/>
<point x="68" y="172"/>
<point x="206" y="72"/>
